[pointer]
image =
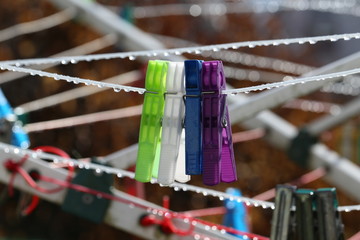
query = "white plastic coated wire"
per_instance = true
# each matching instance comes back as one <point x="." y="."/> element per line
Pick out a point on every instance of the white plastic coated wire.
<point x="37" y="25"/>
<point x="178" y="51"/>
<point x="123" y="173"/>
<point x="118" y="87"/>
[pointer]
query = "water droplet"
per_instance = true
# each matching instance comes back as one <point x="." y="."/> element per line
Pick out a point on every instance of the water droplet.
<point x="176" y="188"/>
<point x="132" y="58"/>
<point x="197" y="52"/>
<point x="32" y="73"/>
<point x="205" y="193"/>
<point x="119" y="175"/>
<point x="221" y="198"/>
<point x="177" y="53"/>
<point x="117" y="89"/>
<point x="215" y="49"/>
<point x="312" y="42"/>
<point x="166" y="54"/>
<point x="76" y="82"/>
<point x="56" y="78"/>
<point x="197" y="237"/>
<point x="251" y="45"/>
<point x="247" y="92"/>
<point x="64" y="62"/>
<point x="99" y="85"/>
<point x="73" y="61"/>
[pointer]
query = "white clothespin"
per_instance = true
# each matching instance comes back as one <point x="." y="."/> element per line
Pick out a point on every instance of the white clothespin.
<point x="172" y="122"/>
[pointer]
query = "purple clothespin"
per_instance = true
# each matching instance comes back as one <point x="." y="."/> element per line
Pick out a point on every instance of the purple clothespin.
<point x="218" y="153"/>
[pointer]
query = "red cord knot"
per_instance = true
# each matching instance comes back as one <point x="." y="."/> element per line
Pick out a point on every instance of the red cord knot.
<point x="166" y="224"/>
<point x="11" y="166"/>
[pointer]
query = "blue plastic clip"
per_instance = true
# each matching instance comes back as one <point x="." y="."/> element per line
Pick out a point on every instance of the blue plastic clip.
<point x="236" y="213"/>
<point x="193" y="137"/>
<point x="18" y="137"/>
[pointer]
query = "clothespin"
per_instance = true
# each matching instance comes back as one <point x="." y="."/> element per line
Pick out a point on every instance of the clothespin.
<point x="304" y="217"/>
<point x="281" y="220"/>
<point x="236" y="213"/>
<point x="86" y="205"/>
<point x="15" y="133"/>
<point x="329" y="224"/>
<point x="171" y="122"/>
<point x="150" y="126"/>
<point x="193" y="136"/>
<point x="218" y="153"/>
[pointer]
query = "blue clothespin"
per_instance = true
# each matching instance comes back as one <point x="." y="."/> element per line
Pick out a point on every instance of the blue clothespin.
<point x="18" y="136"/>
<point x="193" y="136"/>
<point x="236" y="213"/>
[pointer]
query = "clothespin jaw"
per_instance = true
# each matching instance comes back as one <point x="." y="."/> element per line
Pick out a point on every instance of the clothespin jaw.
<point x="305" y="224"/>
<point x="328" y="218"/>
<point x="236" y="213"/>
<point x="193" y="136"/>
<point x="171" y="122"/>
<point x="281" y="220"/>
<point x="150" y="125"/>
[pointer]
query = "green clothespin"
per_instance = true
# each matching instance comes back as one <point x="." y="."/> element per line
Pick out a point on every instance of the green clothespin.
<point x="147" y="163"/>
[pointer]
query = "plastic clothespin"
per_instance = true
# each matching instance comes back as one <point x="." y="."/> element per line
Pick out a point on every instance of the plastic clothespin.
<point x="218" y="153"/>
<point x="193" y="136"/>
<point x="236" y="213"/>
<point x="329" y="224"/>
<point x="281" y="220"/>
<point x="150" y="125"/>
<point x="83" y="204"/>
<point x="304" y="201"/>
<point x="171" y="122"/>
<point x="17" y="135"/>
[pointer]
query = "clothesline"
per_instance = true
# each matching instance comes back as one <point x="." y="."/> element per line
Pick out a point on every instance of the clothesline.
<point x="165" y="53"/>
<point x="123" y="173"/>
<point x="118" y="87"/>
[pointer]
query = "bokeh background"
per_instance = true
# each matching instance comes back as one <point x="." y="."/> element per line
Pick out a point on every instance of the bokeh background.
<point x="260" y="166"/>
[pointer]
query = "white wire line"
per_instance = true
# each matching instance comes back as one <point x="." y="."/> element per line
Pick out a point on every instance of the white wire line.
<point x="164" y="53"/>
<point x="84" y="119"/>
<point x="86" y="48"/>
<point x="253" y="6"/>
<point x="123" y="173"/>
<point x="242" y="58"/>
<point x="75" y="80"/>
<point x="118" y="87"/>
<point x="300" y="80"/>
<point x="37" y="25"/>
<point x="75" y="93"/>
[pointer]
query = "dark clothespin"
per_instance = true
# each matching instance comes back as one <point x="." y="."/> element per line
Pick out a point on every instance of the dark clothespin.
<point x="281" y="220"/>
<point x="84" y="204"/>
<point x="329" y="224"/>
<point x="304" y="217"/>
<point x="316" y="215"/>
<point x="193" y="135"/>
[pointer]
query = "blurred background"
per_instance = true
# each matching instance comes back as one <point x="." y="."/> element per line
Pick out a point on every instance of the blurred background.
<point x="177" y="24"/>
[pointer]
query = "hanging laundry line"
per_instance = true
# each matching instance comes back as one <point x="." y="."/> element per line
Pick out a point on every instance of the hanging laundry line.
<point x="178" y="51"/>
<point x="118" y="87"/>
<point x="83" y="49"/>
